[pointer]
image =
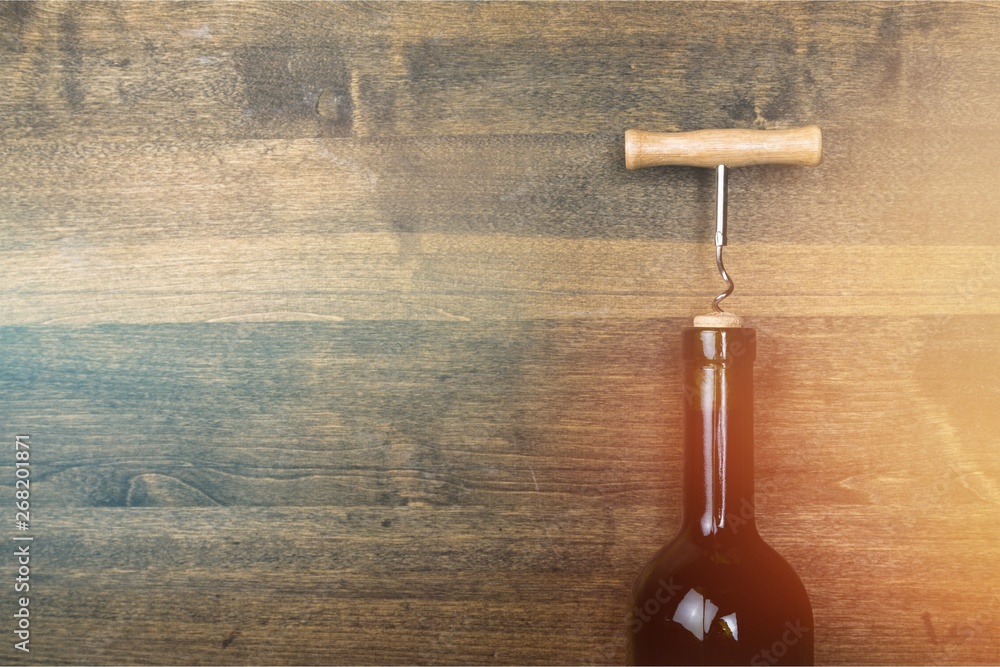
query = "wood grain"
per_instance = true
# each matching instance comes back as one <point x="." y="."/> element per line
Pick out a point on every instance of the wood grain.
<point x="343" y="335"/>
<point x="360" y="276"/>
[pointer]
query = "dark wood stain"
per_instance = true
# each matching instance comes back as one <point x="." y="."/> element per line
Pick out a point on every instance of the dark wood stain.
<point x="230" y="638"/>
<point x="295" y="89"/>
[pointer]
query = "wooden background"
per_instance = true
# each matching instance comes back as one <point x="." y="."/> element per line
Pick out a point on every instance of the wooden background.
<point x="342" y="335"/>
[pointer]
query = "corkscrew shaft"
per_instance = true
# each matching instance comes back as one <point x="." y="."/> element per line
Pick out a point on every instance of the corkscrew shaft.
<point x="721" y="206"/>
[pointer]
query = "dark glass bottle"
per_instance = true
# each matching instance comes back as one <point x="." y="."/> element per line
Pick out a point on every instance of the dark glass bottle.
<point x="718" y="594"/>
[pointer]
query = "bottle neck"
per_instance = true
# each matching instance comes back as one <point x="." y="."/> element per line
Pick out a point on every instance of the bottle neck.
<point x="718" y="432"/>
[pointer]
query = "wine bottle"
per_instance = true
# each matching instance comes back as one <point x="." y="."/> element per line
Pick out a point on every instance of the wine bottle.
<point x="718" y="594"/>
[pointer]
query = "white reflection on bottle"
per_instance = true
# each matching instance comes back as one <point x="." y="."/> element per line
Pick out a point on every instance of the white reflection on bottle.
<point x="730" y="621"/>
<point x="696" y="613"/>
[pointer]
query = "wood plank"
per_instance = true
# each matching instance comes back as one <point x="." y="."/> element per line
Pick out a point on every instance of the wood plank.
<point x="335" y="277"/>
<point x="439" y="410"/>
<point x="286" y="70"/>
<point x="937" y="191"/>
<point x="322" y="585"/>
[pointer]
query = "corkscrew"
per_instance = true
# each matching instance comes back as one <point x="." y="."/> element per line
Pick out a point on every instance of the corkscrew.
<point x="723" y="150"/>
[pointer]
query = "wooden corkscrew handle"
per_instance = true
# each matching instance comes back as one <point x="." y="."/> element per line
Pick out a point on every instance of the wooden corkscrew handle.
<point x="733" y="148"/>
